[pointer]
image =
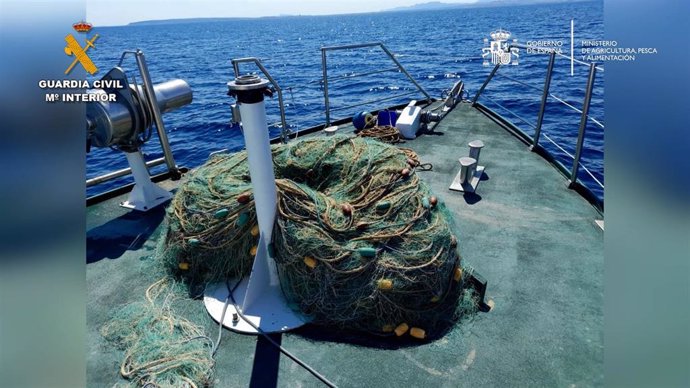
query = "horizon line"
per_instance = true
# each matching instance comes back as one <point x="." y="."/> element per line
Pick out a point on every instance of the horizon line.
<point x="477" y="4"/>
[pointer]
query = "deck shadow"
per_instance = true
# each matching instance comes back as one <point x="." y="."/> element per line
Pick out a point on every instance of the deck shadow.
<point x="471" y="198"/>
<point x="127" y="232"/>
<point x="316" y="333"/>
<point x="432" y="132"/>
<point x="266" y="362"/>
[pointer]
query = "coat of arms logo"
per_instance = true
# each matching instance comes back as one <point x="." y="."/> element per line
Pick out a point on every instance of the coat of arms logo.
<point x="499" y="49"/>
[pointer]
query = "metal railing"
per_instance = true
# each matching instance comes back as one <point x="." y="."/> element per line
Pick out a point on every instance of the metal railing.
<point x="167" y="158"/>
<point x="398" y="67"/>
<point x="545" y="94"/>
<point x="120" y="173"/>
<point x="284" y="131"/>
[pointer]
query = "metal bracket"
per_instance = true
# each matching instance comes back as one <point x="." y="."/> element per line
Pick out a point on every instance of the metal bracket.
<point x="479" y="284"/>
<point x="259" y="298"/>
<point x="454" y="96"/>
<point x="471" y="184"/>
<point x="145" y="195"/>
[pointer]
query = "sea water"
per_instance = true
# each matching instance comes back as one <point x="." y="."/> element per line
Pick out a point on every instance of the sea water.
<point x="436" y="47"/>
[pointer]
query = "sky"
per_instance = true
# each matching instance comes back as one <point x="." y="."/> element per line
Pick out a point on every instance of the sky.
<point x="121" y="12"/>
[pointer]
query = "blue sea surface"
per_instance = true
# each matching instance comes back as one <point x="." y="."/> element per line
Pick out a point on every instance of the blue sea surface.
<point x="436" y="47"/>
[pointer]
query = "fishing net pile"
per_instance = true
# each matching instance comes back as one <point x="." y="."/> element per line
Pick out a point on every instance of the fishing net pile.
<point x="162" y="348"/>
<point x="359" y="241"/>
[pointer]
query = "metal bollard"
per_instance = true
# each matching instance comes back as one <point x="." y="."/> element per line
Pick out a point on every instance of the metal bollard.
<point x="467" y="168"/>
<point x="330" y="131"/>
<point x="476" y="148"/>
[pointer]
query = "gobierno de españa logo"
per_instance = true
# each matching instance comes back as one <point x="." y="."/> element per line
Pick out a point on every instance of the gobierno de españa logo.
<point x="500" y="51"/>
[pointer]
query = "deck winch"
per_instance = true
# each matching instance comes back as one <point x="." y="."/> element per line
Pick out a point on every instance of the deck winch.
<point x="412" y="118"/>
<point x="124" y="121"/>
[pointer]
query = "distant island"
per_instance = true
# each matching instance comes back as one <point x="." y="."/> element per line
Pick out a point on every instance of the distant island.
<point x="438" y="5"/>
<point x="187" y="20"/>
<point x="429" y="6"/>
<point x="206" y="20"/>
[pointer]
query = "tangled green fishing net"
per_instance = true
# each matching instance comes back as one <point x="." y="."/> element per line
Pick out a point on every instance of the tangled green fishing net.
<point x="162" y="348"/>
<point x="359" y="240"/>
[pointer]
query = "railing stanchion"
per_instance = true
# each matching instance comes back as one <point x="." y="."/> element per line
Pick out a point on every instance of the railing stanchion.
<point x="486" y="82"/>
<point x="325" y="86"/>
<point x="157" y="118"/>
<point x="399" y="67"/>
<point x="544" y="99"/>
<point x="583" y="123"/>
<point x="279" y="91"/>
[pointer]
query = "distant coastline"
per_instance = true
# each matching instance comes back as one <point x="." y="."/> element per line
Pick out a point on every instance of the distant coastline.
<point x="428" y="6"/>
<point x="186" y="20"/>
<point x="439" y="5"/>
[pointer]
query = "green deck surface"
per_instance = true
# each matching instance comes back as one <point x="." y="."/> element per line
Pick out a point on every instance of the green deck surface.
<point x="533" y="239"/>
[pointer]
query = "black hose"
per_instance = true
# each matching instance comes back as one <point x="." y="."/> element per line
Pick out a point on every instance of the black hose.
<point x="278" y="346"/>
<point x="215" y="346"/>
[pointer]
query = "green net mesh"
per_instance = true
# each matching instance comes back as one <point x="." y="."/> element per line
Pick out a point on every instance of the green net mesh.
<point x="359" y="240"/>
<point x="162" y="348"/>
